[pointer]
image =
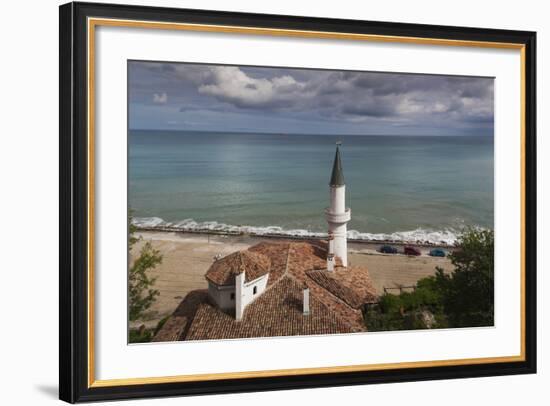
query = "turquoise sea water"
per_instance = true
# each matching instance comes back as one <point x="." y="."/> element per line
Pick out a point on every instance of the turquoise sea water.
<point x="398" y="187"/>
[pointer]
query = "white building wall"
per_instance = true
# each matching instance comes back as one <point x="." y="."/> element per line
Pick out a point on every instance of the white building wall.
<point x="223" y="296"/>
<point x="231" y="297"/>
<point x="248" y="295"/>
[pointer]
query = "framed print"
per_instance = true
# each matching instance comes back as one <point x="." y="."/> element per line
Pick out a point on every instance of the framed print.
<point x="257" y="202"/>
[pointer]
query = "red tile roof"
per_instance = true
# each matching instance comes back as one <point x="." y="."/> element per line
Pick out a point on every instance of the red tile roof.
<point x="332" y="285"/>
<point x="177" y="325"/>
<point x="277" y="252"/>
<point x="223" y="271"/>
<point x="277" y="312"/>
<point x="352" y="285"/>
<point x="308" y="256"/>
<point x="336" y="298"/>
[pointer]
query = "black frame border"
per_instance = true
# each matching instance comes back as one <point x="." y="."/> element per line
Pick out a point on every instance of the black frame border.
<point x="73" y="198"/>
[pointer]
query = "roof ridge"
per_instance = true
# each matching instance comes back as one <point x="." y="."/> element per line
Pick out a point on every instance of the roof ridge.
<point x="286" y="273"/>
<point x="287" y="258"/>
<point x="280" y="277"/>
<point x="341" y="320"/>
<point x="347" y="288"/>
<point x="338" y="299"/>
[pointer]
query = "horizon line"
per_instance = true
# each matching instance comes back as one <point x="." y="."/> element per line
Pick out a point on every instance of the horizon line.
<point x="317" y="134"/>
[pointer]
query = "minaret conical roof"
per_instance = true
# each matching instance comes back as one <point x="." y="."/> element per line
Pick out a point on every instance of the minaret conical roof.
<point x="337" y="177"/>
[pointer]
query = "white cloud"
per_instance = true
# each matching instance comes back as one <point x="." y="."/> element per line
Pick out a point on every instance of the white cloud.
<point x="160" y="98"/>
<point x="231" y="84"/>
<point x="332" y="96"/>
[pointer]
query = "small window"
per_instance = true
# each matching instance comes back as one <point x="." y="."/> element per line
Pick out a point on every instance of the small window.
<point x="232" y="296"/>
<point x="255" y="290"/>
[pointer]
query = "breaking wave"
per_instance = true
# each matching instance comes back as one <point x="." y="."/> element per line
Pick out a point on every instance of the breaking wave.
<point x="419" y="235"/>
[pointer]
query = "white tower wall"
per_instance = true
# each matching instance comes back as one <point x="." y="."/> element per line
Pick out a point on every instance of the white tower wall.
<point x="337" y="214"/>
<point x="340" y="243"/>
<point x="338" y="199"/>
<point x="337" y="217"/>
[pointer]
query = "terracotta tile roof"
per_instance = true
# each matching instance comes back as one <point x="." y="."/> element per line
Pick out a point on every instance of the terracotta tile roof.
<point x="278" y="312"/>
<point x="172" y="329"/>
<point x="307" y="256"/>
<point x="178" y="323"/>
<point x="358" y="279"/>
<point x="277" y="252"/>
<point x="223" y="271"/>
<point x="331" y="284"/>
<point x="352" y="285"/>
<point x="352" y="317"/>
<point x="336" y="298"/>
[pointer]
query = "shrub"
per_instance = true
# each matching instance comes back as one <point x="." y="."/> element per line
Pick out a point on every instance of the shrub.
<point x="140" y="285"/>
<point x="464" y="298"/>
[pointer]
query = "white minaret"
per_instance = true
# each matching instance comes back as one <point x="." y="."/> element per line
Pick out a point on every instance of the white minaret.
<point x="337" y="214"/>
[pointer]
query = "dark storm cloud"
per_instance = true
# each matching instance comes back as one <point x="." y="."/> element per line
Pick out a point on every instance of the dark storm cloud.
<point x="369" y="109"/>
<point x="353" y="101"/>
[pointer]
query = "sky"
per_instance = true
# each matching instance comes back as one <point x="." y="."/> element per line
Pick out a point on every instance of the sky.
<point x="196" y="97"/>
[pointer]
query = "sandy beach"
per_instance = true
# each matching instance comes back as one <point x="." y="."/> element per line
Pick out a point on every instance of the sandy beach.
<point x="186" y="258"/>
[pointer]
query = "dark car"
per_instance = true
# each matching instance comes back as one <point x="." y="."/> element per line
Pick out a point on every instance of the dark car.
<point x="387" y="249"/>
<point x="438" y="252"/>
<point x="408" y="250"/>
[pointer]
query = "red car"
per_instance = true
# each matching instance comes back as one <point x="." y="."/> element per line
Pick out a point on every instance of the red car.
<point x="408" y="250"/>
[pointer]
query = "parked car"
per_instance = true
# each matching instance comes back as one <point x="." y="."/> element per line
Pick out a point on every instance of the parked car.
<point x="438" y="252"/>
<point x="409" y="250"/>
<point x="387" y="249"/>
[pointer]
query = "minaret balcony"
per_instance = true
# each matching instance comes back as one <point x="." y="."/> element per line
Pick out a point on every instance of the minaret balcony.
<point x="342" y="217"/>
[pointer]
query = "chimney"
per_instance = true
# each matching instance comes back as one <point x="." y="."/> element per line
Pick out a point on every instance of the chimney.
<point x="330" y="262"/>
<point x="239" y="292"/>
<point x="306" y="301"/>
<point x="330" y="255"/>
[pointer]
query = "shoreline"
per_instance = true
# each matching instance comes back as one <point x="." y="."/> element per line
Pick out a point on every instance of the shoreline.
<point x="208" y="232"/>
<point x="188" y="255"/>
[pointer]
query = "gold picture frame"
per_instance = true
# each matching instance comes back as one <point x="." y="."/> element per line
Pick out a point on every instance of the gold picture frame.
<point x="78" y="25"/>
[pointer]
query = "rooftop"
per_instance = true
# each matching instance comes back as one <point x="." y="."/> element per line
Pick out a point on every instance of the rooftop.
<point x="336" y="298"/>
<point x="278" y="312"/>
<point x="349" y="285"/>
<point x="224" y="270"/>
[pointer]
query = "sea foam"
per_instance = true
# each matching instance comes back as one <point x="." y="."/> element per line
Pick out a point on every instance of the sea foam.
<point x="446" y="236"/>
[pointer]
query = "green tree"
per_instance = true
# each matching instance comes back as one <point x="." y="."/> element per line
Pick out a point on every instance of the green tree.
<point x="140" y="285"/>
<point x="467" y="294"/>
<point x="464" y="298"/>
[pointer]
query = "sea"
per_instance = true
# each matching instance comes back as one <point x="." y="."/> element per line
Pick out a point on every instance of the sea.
<point x="402" y="188"/>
